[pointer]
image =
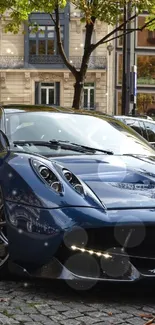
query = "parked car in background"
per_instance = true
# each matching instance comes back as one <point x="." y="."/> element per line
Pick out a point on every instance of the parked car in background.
<point x="144" y="126"/>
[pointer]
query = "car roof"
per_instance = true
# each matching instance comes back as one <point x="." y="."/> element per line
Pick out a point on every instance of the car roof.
<point x="134" y="118"/>
<point x="13" y="108"/>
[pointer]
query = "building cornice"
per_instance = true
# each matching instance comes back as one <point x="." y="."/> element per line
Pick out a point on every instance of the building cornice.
<point x="47" y="71"/>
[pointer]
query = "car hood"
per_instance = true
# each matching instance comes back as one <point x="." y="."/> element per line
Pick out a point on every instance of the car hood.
<point x="118" y="181"/>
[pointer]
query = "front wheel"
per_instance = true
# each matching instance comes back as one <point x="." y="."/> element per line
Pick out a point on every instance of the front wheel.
<point x="4" y="254"/>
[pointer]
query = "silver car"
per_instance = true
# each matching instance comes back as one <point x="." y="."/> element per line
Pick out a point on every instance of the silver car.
<point x="144" y="126"/>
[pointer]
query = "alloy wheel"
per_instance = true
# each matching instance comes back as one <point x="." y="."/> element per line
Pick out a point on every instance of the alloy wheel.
<point x="4" y="255"/>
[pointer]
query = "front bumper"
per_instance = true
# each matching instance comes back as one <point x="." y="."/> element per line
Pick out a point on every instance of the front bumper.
<point x="77" y="243"/>
<point x="56" y="270"/>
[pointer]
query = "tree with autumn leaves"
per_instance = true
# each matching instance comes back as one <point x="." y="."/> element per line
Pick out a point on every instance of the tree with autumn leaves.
<point x="107" y="11"/>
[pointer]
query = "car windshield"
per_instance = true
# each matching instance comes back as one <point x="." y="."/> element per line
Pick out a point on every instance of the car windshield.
<point x="99" y="132"/>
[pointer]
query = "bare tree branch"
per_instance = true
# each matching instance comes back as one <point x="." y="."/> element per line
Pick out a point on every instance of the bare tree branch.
<point x="117" y="29"/>
<point x="117" y="36"/>
<point x="129" y="31"/>
<point x="54" y="21"/>
<point x="106" y="39"/>
<point x="147" y="24"/>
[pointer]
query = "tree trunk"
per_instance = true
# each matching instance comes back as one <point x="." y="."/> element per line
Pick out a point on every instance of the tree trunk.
<point x="78" y="92"/>
<point x="80" y="75"/>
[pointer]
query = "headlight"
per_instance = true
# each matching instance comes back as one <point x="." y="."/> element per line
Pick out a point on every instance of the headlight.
<point x="67" y="174"/>
<point x="47" y="175"/>
<point x="73" y="180"/>
<point x="44" y="172"/>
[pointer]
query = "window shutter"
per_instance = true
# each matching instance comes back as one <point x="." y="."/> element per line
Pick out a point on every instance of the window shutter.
<point x="57" y="90"/>
<point x="37" y="93"/>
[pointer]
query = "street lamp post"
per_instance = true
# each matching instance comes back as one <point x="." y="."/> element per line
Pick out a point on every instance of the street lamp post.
<point x="126" y="60"/>
<point x="128" y="53"/>
<point x="124" y="64"/>
<point x="134" y="73"/>
<point x="109" y="81"/>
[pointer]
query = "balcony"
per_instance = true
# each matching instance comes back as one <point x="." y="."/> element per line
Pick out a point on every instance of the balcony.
<point x="50" y="61"/>
<point x="95" y="62"/>
<point x="11" y="62"/>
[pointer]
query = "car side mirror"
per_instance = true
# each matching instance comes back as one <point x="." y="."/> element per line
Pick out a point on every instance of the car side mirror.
<point x="4" y="141"/>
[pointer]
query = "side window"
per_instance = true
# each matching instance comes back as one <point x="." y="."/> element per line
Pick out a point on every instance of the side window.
<point x="134" y="125"/>
<point x="143" y="129"/>
<point x="150" y="129"/>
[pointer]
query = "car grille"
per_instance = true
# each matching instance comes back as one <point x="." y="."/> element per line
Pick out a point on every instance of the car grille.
<point x="140" y="243"/>
<point x="139" y="251"/>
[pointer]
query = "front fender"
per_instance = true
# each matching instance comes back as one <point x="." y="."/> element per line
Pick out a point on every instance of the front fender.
<point x="36" y="234"/>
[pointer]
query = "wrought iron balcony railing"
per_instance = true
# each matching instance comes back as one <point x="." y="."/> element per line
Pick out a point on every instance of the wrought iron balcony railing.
<point x="11" y="62"/>
<point x="95" y="62"/>
<point x="17" y="62"/>
<point x="45" y="59"/>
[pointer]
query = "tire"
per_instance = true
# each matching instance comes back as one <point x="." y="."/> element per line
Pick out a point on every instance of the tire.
<point x="4" y="254"/>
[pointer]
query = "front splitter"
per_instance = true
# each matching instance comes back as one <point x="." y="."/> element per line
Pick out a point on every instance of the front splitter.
<point x="55" y="270"/>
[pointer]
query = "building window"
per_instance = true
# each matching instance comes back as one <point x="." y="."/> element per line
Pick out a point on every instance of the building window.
<point x="118" y="103"/>
<point x="145" y="102"/>
<point x="144" y="38"/>
<point x="146" y="69"/>
<point x="89" y="94"/>
<point x="119" y="68"/>
<point x="151" y="37"/>
<point x="47" y="93"/>
<point x="119" y="40"/>
<point x="43" y="42"/>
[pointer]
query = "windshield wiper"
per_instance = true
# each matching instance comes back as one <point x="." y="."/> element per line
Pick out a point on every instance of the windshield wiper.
<point x="66" y="145"/>
<point x="108" y="152"/>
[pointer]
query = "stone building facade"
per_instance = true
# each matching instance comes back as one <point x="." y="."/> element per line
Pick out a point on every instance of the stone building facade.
<point x="32" y="72"/>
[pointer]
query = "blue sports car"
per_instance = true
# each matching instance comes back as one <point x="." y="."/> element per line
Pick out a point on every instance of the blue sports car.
<point x="77" y="194"/>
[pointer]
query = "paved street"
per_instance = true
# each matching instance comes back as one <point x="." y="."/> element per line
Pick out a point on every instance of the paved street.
<point x="48" y="303"/>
